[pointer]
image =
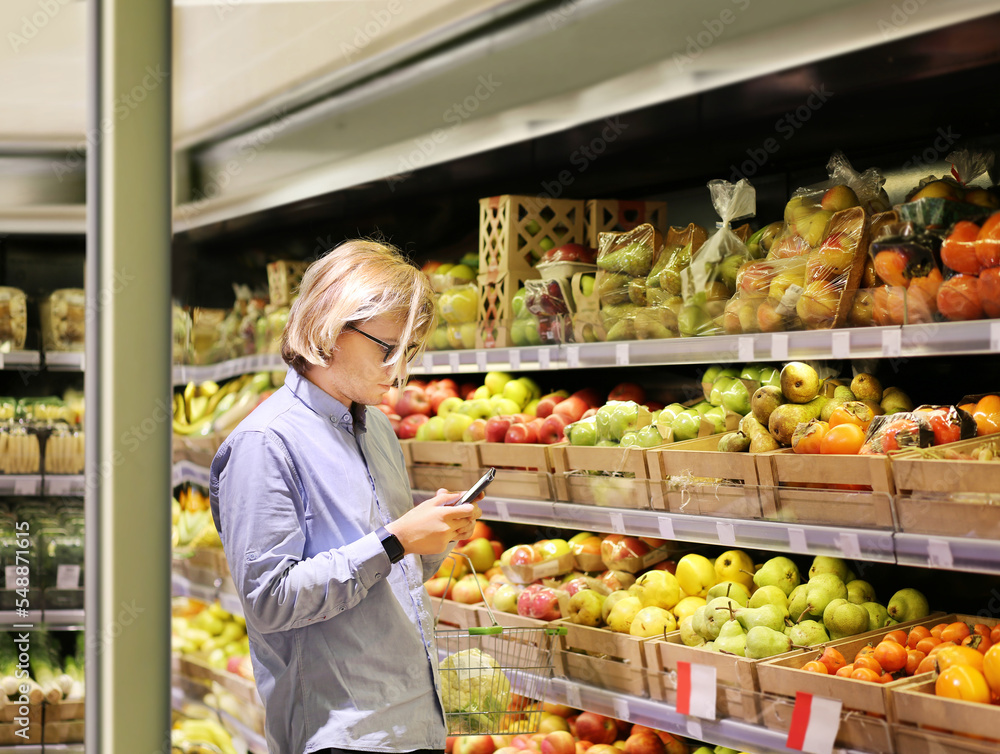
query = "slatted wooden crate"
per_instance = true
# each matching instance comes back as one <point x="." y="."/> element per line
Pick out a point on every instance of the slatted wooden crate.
<point x="523" y="470"/>
<point x="621" y="479"/>
<point x="617" y="215"/>
<point x="600" y="657"/>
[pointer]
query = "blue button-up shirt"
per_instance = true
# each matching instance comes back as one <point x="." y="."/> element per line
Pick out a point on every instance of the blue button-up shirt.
<point x="341" y="640"/>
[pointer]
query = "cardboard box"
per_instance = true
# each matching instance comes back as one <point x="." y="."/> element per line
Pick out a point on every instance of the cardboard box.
<point x="618" y="215"/>
<point x="523" y="470"/>
<point x="603" y="658"/>
<point x="675" y="471"/>
<point x="780" y="471"/>
<point x="526" y="574"/>
<point x="622" y="483"/>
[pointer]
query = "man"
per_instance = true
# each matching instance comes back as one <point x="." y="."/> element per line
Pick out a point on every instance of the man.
<point x="327" y="551"/>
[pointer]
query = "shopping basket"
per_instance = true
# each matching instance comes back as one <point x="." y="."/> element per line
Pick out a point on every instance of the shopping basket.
<point x="494" y="679"/>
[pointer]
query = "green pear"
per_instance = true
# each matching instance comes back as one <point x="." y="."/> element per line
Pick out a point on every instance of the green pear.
<point x="843" y="618"/>
<point x="808" y="634"/>
<point x="736" y="592"/>
<point x="732" y="639"/>
<point x="827" y="564"/>
<point x="710" y="646"/>
<point x="703" y="750"/>
<point x="786" y="417"/>
<point x="780" y="572"/>
<point x="798" y="600"/>
<point x="895" y="401"/>
<point x="734" y="442"/>
<point x="859" y="592"/>
<point x="766" y="642"/>
<point x="771" y="616"/>
<point x="878" y="616"/>
<point x="866" y="387"/>
<point x="770" y="376"/>
<point x="799" y="382"/>
<point x="908" y="604"/>
<point x="763" y="402"/>
<point x="690" y="637"/>
<point x="699" y="622"/>
<point x="769" y="595"/>
<point x="717" y="613"/>
<point x="824" y="588"/>
<point x="711" y="374"/>
<point x="851" y="576"/>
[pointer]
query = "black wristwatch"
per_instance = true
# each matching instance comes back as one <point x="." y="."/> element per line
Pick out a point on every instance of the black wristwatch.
<point x="393" y="547"/>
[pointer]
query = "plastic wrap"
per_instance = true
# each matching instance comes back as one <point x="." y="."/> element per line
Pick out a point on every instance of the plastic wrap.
<point x="8" y="409"/>
<point x="710" y="279"/>
<point x="524" y="328"/>
<point x="903" y="257"/>
<point x="970" y="254"/>
<point x="942" y="202"/>
<point x="63" y="315"/>
<point x="181" y="332"/>
<point x="19" y="451"/>
<point x="550" y="302"/>
<point x="13" y="319"/>
<point x="47" y="409"/>
<point x="269" y="327"/>
<point x="923" y="427"/>
<point x="64" y="452"/>
<point x="620" y="552"/>
<point x="625" y="261"/>
<point x="208" y="342"/>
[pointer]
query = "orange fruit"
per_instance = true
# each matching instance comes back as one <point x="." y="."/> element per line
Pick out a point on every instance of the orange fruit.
<point x="867" y="674"/>
<point x="950" y="656"/>
<point x="832" y="659"/>
<point x="891" y="267"/>
<point x="978" y="642"/>
<point x="869" y="662"/>
<point x="991" y="667"/>
<point x="987" y="242"/>
<point x="886" y="678"/>
<point x="926" y="666"/>
<point x="916" y="634"/>
<point x="890" y="655"/>
<point x="845" y="672"/>
<point x="988" y="289"/>
<point x="936" y="630"/>
<point x="995" y="634"/>
<point x="898" y="636"/>
<point x="815" y="666"/>
<point x="808" y="436"/>
<point x="958" y="298"/>
<point x="963" y="682"/>
<point x="853" y="412"/>
<point x="844" y="439"/>
<point x="867" y="649"/>
<point x="958" y="250"/>
<point x="987" y="416"/>
<point x="927" y="644"/>
<point x="888" y="305"/>
<point x="955" y="632"/>
<point x="913" y="660"/>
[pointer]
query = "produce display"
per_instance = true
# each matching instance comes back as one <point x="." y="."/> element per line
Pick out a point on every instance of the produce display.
<point x="190" y="735"/>
<point x="13" y="319"/>
<point x="210" y="633"/>
<point x="55" y="553"/>
<point x="63" y="317"/>
<point x="457" y="302"/>
<point x="205" y="409"/>
<point x="55" y="668"/>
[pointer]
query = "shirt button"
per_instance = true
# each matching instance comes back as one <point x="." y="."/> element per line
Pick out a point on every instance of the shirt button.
<point x="378" y="575"/>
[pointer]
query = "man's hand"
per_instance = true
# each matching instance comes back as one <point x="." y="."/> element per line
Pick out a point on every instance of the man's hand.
<point x="428" y="528"/>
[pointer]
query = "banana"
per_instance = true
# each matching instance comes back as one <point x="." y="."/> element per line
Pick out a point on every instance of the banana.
<point x="208" y="388"/>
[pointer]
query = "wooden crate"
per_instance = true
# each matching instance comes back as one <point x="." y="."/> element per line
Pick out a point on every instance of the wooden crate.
<point x="441" y="452"/>
<point x="915" y="706"/>
<point x="451" y="614"/>
<point x="573" y="482"/>
<point x="66" y="732"/>
<point x="857" y="732"/>
<point x="523" y="470"/>
<point x="512" y="230"/>
<point x="10" y="710"/>
<point x="210" y="559"/>
<point x="618" y="215"/>
<point x="676" y="468"/>
<point x="603" y="658"/>
<point x="283" y="279"/>
<point x="429" y="478"/>
<point x="913" y="740"/>
<point x="242" y="688"/>
<point x="950" y="515"/>
<point x="915" y="473"/>
<point x="10" y="733"/>
<point x="65" y="710"/>
<point x="779" y="470"/>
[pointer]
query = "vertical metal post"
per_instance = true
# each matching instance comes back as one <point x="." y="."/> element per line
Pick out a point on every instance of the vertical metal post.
<point x="128" y="362"/>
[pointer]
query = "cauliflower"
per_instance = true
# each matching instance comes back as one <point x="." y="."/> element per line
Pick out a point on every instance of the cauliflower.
<point x="474" y="690"/>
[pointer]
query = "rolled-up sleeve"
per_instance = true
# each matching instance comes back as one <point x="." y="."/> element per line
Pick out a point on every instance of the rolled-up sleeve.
<point x="260" y="513"/>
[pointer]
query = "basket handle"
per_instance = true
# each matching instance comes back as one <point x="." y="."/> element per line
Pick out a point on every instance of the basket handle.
<point x="472" y="570"/>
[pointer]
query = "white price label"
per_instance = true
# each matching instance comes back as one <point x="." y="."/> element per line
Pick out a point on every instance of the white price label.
<point x="617" y="522"/>
<point x="453" y="361"/>
<point x="428" y="362"/>
<point x="573" y="696"/>
<point x="10" y="576"/>
<point x="995" y="337"/>
<point x="797" y="540"/>
<point x="892" y="343"/>
<point x="481" y="361"/>
<point x="667" y="528"/>
<point x="621" y="708"/>
<point x="841" y="345"/>
<point x="572" y="356"/>
<point x="25" y="486"/>
<point x="68" y="577"/>
<point x="727" y="533"/>
<point x="850" y="547"/>
<point x="621" y="354"/>
<point x="779" y="346"/>
<point x="939" y="553"/>
<point x="544" y="358"/>
<point x="694" y="730"/>
<point x="744" y="347"/>
<point x="502" y="511"/>
<point x="515" y="359"/>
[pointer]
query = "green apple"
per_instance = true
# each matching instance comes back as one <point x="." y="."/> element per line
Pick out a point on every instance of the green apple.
<point x="481" y="393"/>
<point x="455" y="425"/>
<point x="587" y="285"/>
<point x="518" y="303"/>
<point x="516" y="392"/>
<point x="583" y="432"/>
<point x="495" y="381"/>
<point x="649" y="436"/>
<point x="686" y="425"/>
<point x="449" y="404"/>
<point x="721" y="384"/>
<point x="505" y="406"/>
<point x="433" y="429"/>
<point x="717" y="416"/>
<point x="702" y="406"/>
<point x="736" y="398"/>
<point x="711" y="373"/>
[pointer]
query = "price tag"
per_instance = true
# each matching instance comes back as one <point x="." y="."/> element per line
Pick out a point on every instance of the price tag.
<point x="779" y="346"/>
<point x="621" y="708"/>
<point x="892" y="343"/>
<point x="815" y="721"/>
<point x="515" y="359"/>
<point x="481" y="361"/>
<point x="667" y="528"/>
<point x="727" y="533"/>
<point x="848" y="543"/>
<point x="25" y="486"/>
<point x="10" y="576"/>
<point x="573" y="696"/>
<point x="572" y="356"/>
<point x="694" y="730"/>
<point x="995" y="337"/>
<point x="68" y="577"/>
<point x="797" y="540"/>
<point x="696" y="690"/>
<point x="617" y="522"/>
<point x="939" y="553"/>
<point x="453" y="361"/>
<point x="621" y="354"/>
<point x="544" y="358"/>
<point x="428" y="362"/>
<point x="841" y="345"/>
<point x="744" y="347"/>
<point x="502" y="511"/>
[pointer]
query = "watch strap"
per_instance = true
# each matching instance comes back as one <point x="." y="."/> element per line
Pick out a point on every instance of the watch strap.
<point x="390" y="542"/>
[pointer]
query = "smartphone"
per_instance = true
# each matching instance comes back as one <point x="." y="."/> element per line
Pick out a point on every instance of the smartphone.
<point x="472" y="493"/>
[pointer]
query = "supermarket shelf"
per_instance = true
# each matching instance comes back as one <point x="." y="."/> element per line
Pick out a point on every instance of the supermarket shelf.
<point x="66" y="361"/>
<point x="255" y="744"/>
<point x="185" y="471"/>
<point x="21" y="485"/>
<point x="21" y="360"/>
<point x="63" y="620"/>
<point x="949" y="553"/>
<point x="265" y="362"/>
<point x="183" y="587"/>
<point x="874" y="545"/>
<point x="68" y="485"/>
<point x="70" y="620"/>
<point x="24" y="749"/>
<point x="9" y="619"/>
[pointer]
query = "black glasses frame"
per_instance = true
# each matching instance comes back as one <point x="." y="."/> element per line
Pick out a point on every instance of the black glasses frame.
<point x="388" y="348"/>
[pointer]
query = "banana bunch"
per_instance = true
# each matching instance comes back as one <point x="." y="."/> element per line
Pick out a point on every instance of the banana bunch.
<point x="203" y="408"/>
<point x="191" y="498"/>
<point x="192" y="736"/>
<point x="190" y="526"/>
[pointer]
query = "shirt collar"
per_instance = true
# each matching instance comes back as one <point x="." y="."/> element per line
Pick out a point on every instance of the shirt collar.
<point x="324" y="404"/>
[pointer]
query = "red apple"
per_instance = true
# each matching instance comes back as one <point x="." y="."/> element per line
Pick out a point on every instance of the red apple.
<point x="615" y="580"/>
<point x="553" y="430"/>
<point x="395" y="421"/>
<point x="447" y="383"/>
<point x="654" y="405"/>
<point x="497" y="548"/>
<point x="627" y="391"/>
<point x="645" y="742"/>
<point x="467" y="591"/>
<point x="390" y="397"/>
<point x="537" y="601"/>
<point x="559" y="742"/>
<point x="521" y="555"/>
<point x="590" y="396"/>
<point x="569" y="252"/>
<point x="465" y="390"/>
<point x="474" y="745"/>
<point x="583" y="746"/>
<point x="409" y="425"/>
<point x="413" y="400"/>
<point x="571" y="409"/>
<point x="598" y="729"/>
<point x="521" y="433"/>
<point x="589" y="546"/>
<point x="618" y="547"/>
<point x="666" y="565"/>
<point x="496" y="428"/>
<point x="387" y="410"/>
<point x="439" y="586"/>
<point x="548" y="402"/>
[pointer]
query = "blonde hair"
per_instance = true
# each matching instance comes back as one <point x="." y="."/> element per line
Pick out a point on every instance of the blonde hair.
<point x="353" y="283"/>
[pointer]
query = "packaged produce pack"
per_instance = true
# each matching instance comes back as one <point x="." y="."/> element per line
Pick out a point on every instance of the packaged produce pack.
<point x="64" y="320"/>
<point x="710" y="279"/>
<point x="624" y="262"/>
<point x="941" y="202"/>
<point x="550" y="302"/>
<point x="923" y="427"/>
<point x="13" y="319"/>
<point x="970" y="255"/>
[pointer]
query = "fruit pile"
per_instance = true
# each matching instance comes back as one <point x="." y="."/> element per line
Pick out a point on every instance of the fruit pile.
<point x="457" y="302"/>
<point x="205" y="408"/>
<point x="200" y="736"/>
<point x="211" y="633"/>
<point x="192" y="524"/>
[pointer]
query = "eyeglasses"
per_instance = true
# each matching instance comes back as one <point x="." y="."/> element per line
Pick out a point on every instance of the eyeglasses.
<point x="387" y="348"/>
